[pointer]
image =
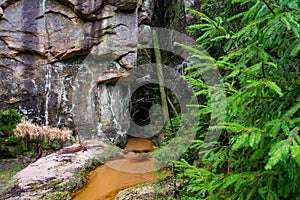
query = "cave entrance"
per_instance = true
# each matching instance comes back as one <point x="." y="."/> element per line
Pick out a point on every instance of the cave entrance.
<point x="146" y="105"/>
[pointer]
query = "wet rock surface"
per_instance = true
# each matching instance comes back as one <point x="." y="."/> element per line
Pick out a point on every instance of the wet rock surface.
<point x="43" y="46"/>
<point x="52" y="49"/>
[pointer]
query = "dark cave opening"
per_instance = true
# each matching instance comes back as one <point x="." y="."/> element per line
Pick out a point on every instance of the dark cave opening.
<point x="145" y="102"/>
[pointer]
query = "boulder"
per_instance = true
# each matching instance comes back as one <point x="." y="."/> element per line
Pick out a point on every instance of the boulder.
<point x="55" y="171"/>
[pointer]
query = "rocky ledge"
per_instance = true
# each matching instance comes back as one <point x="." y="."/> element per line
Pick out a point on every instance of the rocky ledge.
<point x="58" y="171"/>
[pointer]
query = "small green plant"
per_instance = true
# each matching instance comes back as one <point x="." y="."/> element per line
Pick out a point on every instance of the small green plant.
<point x="63" y="195"/>
<point x="171" y="128"/>
<point x="8" y="121"/>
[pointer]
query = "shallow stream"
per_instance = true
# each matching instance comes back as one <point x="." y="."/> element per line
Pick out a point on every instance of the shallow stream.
<point x="128" y="170"/>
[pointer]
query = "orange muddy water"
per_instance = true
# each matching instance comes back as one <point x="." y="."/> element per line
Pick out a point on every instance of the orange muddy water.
<point x="128" y="170"/>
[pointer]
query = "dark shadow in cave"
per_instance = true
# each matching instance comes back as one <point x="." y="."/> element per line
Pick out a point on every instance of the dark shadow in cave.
<point x="143" y="100"/>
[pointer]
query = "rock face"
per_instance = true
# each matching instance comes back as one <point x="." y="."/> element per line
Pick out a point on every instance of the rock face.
<point x="60" y="60"/>
<point x="50" y="48"/>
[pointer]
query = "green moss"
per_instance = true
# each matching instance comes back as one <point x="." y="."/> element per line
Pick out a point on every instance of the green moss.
<point x="59" y="195"/>
<point x="11" y="147"/>
<point x="6" y="177"/>
<point x="10" y="140"/>
<point x="8" y="121"/>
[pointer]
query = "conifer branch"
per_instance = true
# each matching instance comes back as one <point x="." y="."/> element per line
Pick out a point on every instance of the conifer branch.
<point x="269" y="7"/>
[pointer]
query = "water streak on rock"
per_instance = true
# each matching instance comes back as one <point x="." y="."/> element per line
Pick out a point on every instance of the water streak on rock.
<point x="48" y="68"/>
